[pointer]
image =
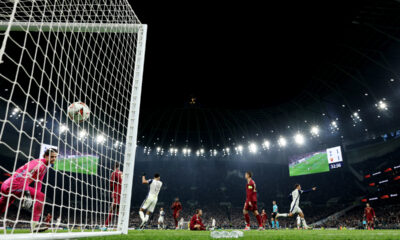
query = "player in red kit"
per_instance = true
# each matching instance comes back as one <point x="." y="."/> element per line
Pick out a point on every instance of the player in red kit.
<point x="264" y="218"/>
<point x="196" y="223"/>
<point x="115" y="188"/>
<point x="369" y="214"/>
<point x="177" y="207"/>
<point x="48" y="219"/>
<point x="251" y="202"/>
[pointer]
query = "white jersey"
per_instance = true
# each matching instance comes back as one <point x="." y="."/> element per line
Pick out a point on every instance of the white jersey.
<point x="213" y="222"/>
<point x="154" y="189"/>
<point x="294" y="206"/>
<point x="296" y="197"/>
<point x="162" y="213"/>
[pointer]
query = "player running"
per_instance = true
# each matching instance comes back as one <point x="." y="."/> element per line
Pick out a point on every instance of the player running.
<point x="161" y="219"/>
<point x="274" y="220"/>
<point x="177" y="207"/>
<point x="369" y="214"/>
<point x="251" y="202"/>
<point x="151" y="200"/>
<point x="196" y="223"/>
<point x="298" y="220"/>
<point x="115" y="188"/>
<point x="264" y="218"/>
<point x="294" y="206"/>
<point x="19" y="185"/>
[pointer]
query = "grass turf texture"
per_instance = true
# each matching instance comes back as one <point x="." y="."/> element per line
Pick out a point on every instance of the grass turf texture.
<point x="254" y="234"/>
<point x="314" y="164"/>
<point x="83" y="164"/>
<point x="268" y="234"/>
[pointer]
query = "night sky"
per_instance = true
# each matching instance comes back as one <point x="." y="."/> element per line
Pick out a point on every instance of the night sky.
<point x="256" y="67"/>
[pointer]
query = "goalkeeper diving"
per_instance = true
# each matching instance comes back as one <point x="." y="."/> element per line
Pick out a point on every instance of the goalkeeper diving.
<point x="19" y="185"/>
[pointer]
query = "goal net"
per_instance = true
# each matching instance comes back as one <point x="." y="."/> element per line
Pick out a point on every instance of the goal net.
<point x="54" y="53"/>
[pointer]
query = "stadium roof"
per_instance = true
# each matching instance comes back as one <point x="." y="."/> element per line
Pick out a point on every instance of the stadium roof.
<point x="253" y="68"/>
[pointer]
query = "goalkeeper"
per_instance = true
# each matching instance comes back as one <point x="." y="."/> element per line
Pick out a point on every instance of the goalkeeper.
<point x="19" y="185"/>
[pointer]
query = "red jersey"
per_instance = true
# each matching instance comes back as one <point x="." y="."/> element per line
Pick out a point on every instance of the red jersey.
<point x="264" y="217"/>
<point x="369" y="213"/>
<point x="48" y="219"/>
<point x="176" y="206"/>
<point x="116" y="181"/>
<point x="196" y="220"/>
<point x="251" y="192"/>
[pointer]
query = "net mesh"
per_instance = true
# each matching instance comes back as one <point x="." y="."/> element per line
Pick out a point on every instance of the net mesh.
<point x="45" y="69"/>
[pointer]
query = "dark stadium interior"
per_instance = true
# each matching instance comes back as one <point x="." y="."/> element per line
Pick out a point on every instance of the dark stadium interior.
<point x="235" y="75"/>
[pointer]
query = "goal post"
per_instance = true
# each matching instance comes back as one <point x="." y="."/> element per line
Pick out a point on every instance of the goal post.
<point x="52" y="54"/>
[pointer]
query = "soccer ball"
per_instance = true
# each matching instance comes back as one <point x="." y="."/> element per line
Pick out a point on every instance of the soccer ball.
<point x="78" y="112"/>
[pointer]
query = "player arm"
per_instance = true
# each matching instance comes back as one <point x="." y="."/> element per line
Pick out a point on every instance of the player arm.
<point x="144" y="181"/>
<point x="308" y="190"/>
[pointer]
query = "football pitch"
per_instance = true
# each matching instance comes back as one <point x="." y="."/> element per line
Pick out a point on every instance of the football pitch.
<point x="314" y="164"/>
<point x="267" y="234"/>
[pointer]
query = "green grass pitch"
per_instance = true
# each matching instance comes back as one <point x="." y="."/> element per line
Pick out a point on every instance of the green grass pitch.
<point x="254" y="235"/>
<point x="258" y="235"/>
<point x="315" y="164"/>
<point x="83" y="164"/>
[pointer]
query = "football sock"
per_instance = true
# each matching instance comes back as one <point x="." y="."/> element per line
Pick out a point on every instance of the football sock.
<point x="247" y="218"/>
<point x="303" y="221"/>
<point x="259" y="220"/>
<point x="273" y="224"/>
<point x="277" y="224"/>
<point x="141" y="216"/>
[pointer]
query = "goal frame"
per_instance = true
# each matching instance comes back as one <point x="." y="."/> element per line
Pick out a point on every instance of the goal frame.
<point x="133" y="118"/>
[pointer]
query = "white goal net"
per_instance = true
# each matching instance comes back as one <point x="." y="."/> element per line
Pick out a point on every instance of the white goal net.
<point x="54" y="53"/>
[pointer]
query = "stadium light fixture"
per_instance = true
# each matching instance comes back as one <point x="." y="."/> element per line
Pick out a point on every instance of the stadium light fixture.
<point x="314" y="131"/>
<point x="63" y="128"/>
<point x="266" y="144"/>
<point x="299" y="139"/>
<point x="282" y="142"/>
<point x="382" y="105"/>
<point x="100" y="139"/>
<point x="253" y="148"/>
<point x="82" y="134"/>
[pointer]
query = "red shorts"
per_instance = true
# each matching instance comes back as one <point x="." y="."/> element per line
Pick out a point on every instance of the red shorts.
<point x="176" y="215"/>
<point x="370" y="219"/>
<point x="253" y="206"/>
<point x="116" y="198"/>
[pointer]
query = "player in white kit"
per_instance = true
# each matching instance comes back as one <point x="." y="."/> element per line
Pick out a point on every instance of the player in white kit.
<point x="151" y="200"/>
<point x="161" y="219"/>
<point x="294" y="206"/>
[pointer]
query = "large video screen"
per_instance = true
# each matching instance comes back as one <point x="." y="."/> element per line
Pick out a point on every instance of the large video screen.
<point x="86" y="164"/>
<point x="315" y="162"/>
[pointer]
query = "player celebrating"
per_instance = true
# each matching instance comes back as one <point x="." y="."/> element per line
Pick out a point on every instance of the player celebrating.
<point x="251" y="202"/>
<point x="294" y="206"/>
<point x="177" y="207"/>
<point x="264" y="218"/>
<point x="196" y="223"/>
<point x="274" y="220"/>
<point x="150" y="202"/>
<point x="115" y="188"/>
<point x="369" y="214"/>
<point x="161" y="219"/>
<point x="19" y="185"/>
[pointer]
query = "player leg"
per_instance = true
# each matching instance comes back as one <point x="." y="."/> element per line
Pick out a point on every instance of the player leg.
<point x="145" y="206"/>
<point x="5" y="190"/>
<point x="302" y="219"/>
<point x="38" y="198"/>
<point x="246" y="216"/>
<point x="276" y="223"/>
<point x="272" y="222"/>
<point x="257" y="215"/>
<point x="298" y="223"/>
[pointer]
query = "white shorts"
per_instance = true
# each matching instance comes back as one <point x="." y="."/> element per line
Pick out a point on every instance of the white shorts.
<point x="161" y="219"/>
<point x="149" y="204"/>
<point x="295" y="209"/>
